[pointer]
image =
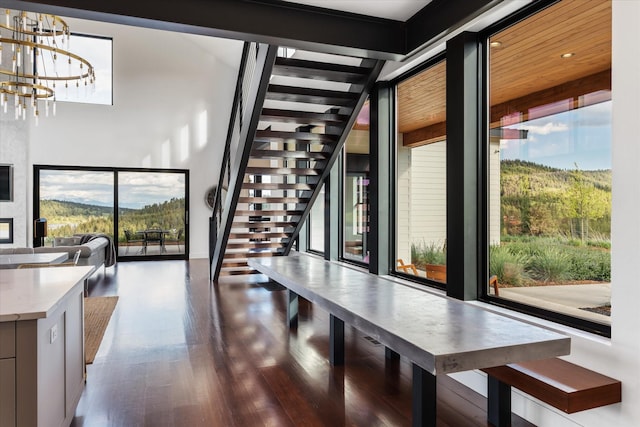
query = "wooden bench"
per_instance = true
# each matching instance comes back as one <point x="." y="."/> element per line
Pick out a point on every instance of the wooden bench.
<point x="561" y="384"/>
<point x="438" y="334"/>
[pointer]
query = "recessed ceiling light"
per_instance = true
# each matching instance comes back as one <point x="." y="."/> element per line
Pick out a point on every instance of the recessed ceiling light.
<point x="567" y="55"/>
<point x="495" y="44"/>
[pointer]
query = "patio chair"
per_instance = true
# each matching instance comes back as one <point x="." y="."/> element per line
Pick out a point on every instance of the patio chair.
<point x="402" y="266"/>
<point x="132" y="239"/>
<point x="175" y="237"/>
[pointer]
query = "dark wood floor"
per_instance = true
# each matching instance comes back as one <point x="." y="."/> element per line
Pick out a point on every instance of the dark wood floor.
<point x="179" y="352"/>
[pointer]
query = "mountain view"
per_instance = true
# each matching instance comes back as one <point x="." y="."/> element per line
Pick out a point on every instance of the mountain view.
<point x="65" y="218"/>
<point x="540" y="200"/>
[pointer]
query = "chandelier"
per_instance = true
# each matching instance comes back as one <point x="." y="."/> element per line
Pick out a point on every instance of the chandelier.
<point x="35" y="62"/>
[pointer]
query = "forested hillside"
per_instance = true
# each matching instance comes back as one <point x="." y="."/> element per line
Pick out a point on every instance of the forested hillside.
<point x="540" y="200"/>
<point x="65" y="218"/>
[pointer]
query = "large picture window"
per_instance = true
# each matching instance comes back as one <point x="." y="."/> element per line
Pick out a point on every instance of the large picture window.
<point x="356" y="190"/>
<point x="421" y="183"/>
<point x="550" y="161"/>
<point x="316" y="224"/>
<point x="99" y="52"/>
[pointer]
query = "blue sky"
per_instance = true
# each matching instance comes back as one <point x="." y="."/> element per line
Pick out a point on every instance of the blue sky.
<point x="136" y="189"/>
<point x="581" y="137"/>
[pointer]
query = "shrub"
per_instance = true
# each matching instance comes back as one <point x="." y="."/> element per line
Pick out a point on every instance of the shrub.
<point x="507" y="266"/>
<point x="431" y="253"/>
<point x="549" y="265"/>
<point x="590" y="265"/>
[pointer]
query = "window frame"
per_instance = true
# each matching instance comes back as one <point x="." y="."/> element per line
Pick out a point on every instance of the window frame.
<point x="37" y="168"/>
<point x="484" y="192"/>
<point x="434" y="60"/>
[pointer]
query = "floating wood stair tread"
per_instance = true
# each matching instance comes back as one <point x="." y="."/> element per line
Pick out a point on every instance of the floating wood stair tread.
<point x="272" y="135"/>
<point x="301" y="117"/>
<point x="232" y="263"/>
<point x="564" y="385"/>
<point x="273" y="212"/>
<point x="252" y="170"/>
<point x="319" y="70"/>
<point x="262" y="224"/>
<point x="296" y="144"/>
<point x="274" y="235"/>
<point x="257" y="245"/>
<point x="249" y="255"/>
<point x="286" y="154"/>
<point x="256" y="200"/>
<point x="311" y="96"/>
<point x="275" y="186"/>
<point x="234" y="272"/>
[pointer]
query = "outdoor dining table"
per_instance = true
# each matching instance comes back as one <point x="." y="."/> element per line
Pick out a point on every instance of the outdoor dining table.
<point x="151" y="235"/>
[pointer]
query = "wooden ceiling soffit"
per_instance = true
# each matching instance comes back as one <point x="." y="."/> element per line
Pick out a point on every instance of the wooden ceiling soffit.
<point x="574" y="91"/>
<point x="426" y="135"/>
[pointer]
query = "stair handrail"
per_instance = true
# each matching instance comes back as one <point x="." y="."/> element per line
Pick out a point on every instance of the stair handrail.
<point x="250" y="94"/>
<point x="249" y="52"/>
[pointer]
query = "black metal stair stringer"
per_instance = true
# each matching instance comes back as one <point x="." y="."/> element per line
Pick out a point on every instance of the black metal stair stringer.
<point x="262" y="73"/>
<point x="371" y="80"/>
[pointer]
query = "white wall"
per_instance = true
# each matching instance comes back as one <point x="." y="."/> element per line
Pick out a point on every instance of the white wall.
<point x="14" y="135"/>
<point x="421" y="215"/>
<point x="162" y="83"/>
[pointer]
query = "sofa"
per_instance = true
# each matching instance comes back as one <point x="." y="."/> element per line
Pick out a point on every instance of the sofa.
<point x="95" y="249"/>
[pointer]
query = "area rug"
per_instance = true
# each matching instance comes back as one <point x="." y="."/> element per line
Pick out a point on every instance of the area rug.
<point x="97" y="313"/>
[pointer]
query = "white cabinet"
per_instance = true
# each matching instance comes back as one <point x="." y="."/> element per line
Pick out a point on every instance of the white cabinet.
<point x="7" y="374"/>
<point x="41" y="346"/>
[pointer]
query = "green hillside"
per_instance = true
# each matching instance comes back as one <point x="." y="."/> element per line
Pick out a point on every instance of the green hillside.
<point x="61" y="208"/>
<point x="66" y="218"/>
<point x="540" y="200"/>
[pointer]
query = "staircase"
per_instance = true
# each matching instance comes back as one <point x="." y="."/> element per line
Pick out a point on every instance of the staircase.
<point x="310" y="103"/>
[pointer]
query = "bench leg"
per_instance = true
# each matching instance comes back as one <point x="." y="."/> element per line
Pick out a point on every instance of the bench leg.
<point x="336" y="341"/>
<point x="292" y="309"/>
<point x="390" y="354"/>
<point x="499" y="402"/>
<point x="424" y="398"/>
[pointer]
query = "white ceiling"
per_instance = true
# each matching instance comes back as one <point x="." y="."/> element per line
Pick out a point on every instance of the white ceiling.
<point x="400" y="10"/>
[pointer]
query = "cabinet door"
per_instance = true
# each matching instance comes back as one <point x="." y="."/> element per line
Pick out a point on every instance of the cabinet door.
<point x="7" y="340"/>
<point x="7" y="392"/>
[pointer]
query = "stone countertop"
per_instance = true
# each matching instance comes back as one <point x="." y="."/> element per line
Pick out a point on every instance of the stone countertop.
<point x="14" y="260"/>
<point x="34" y="293"/>
<point x="438" y="333"/>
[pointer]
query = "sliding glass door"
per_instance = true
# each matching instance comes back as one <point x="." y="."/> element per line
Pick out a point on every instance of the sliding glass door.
<point x="152" y="213"/>
<point x="144" y="211"/>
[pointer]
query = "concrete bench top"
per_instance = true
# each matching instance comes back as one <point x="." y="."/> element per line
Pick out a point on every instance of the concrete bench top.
<point x="437" y="333"/>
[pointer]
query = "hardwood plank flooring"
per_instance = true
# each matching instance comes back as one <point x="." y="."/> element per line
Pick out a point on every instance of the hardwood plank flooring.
<point x="179" y="352"/>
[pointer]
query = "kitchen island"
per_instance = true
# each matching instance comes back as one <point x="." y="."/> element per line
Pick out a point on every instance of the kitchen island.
<point x="42" y="367"/>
